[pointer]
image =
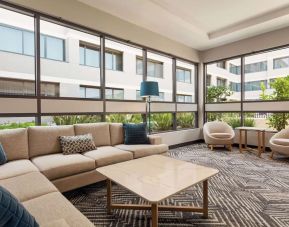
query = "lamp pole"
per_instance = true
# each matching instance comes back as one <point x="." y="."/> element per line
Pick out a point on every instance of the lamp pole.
<point x="149" y="102"/>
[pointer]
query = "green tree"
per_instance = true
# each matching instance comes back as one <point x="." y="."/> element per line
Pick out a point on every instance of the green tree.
<point x="218" y="93"/>
<point x="281" y="92"/>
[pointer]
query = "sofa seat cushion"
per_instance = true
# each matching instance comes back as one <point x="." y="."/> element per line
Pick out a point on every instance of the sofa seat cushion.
<point x="16" y="168"/>
<point x="107" y="155"/>
<point x="221" y="135"/>
<point x="281" y="141"/>
<point x="55" y="206"/>
<point x="55" y="166"/>
<point x="28" y="186"/>
<point x="142" y="150"/>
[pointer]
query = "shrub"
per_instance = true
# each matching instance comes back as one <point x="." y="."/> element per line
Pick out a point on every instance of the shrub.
<point x="161" y="121"/>
<point x="185" y="120"/>
<point x="124" y="118"/>
<point x="16" y="125"/>
<point x="76" y="119"/>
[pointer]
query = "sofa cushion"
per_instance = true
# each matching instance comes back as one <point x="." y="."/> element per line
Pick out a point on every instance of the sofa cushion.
<point x="99" y="132"/>
<point x="16" y="168"/>
<point x="281" y="141"/>
<point x="45" y="139"/>
<point x="135" y="134"/>
<point x="116" y="133"/>
<point x="13" y="213"/>
<point x="107" y="155"/>
<point x="28" y="186"/>
<point x="221" y="135"/>
<point x="142" y="150"/>
<point x="55" y="206"/>
<point x="15" y="143"/>
<point x="76" y="144"/>
<point x="55" y="166"/>
<point x="3" y="157"/>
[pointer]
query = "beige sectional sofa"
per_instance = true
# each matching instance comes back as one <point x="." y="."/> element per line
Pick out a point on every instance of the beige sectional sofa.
<point x="37" y="171"/>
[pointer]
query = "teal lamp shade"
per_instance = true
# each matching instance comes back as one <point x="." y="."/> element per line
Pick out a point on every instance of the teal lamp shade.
<point x="149" y="88"/>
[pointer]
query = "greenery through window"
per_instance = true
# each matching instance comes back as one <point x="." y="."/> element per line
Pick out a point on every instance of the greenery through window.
<point x="185" y="120"/>
<point x="161" y="122"/>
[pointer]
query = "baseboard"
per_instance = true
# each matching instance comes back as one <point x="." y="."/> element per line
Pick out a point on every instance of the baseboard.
<point x="186" y="143"/>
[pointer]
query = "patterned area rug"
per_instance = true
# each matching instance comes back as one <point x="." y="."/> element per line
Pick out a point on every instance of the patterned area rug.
<point x="248" y="191"/>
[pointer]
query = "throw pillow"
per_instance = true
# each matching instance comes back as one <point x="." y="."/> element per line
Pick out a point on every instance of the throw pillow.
<point x="3" y="158"/>
<point x="135" y="134"/>
<point x="76" y="144"/>
<point x="13" y="213"/>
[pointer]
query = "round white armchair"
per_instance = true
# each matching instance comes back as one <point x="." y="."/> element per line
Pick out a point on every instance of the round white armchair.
<point x="279" y="143"/>
<point x="218" y="133"/>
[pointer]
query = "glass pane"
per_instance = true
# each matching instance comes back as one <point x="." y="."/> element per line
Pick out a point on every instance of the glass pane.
<point x="185" y="120"/>
<point x="54" y="48"/>
<point x="16" y="122"/>
<point x="124" y="118"/>
<point x="93" y="93"/>
<point x="108" y="61"/>
<point x="161" y="122"/>
<point x="233" y="119"/>
<point x="70" y="119"/>
<point x="124" y="75"/>
<point x="10" y="39"/>
<point x="266" y="77"/>
<point x="225" y="81"/>
<point x="161" y="67"/>
<point x="28" y="43"/>
<point x="70" y="75"/>
<point x="42" y="46"/>
<point x="139" y="66"/>
<point x="108" y="93"/>
<point x="17" y="75"/>
<point x="92" y="57"/>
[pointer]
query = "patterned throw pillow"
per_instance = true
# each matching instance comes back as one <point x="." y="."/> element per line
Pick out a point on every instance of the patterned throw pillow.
<point x="76" y="144"/>
<point x="13" y="213"/>
<point x="3" y="158"/>
<point x="135" y="134"/>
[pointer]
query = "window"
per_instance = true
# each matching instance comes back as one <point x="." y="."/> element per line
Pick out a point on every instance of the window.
<point x="231" y="118"/>
<point x="221" y="82"/>
<point x="208" y="80"/>
<point x="223" y="85"/>
<point x="124" y="118"/>
<point x="113" y="60"/>
<point x="70" y="119"/>
<point x="50" y="89"/>
<point x="282" y="62"/>
<point x="16" y="122"/>
<point x="185" y="120"/>
<point x="139" y="65"/>
<point x="52" y="48"/>
<point x="89" y="55"/>
<point x="256" y="67"/>
<point x="161" y="122"/>
<point x="155" y="68"/>
<point x="183" y="75"/>
<point x="89" y="92"/>
<point x="255" y="85"/>
<point x="184" y="98"/>
<point x="221" y="64"/>
<point x="70" y="76"/>
<point x="114" y="93"/>
<point x="17" y="71"/>
<point x="161" y="96"/>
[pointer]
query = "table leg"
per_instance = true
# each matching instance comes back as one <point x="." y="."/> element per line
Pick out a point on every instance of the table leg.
<point x="246" y="136"/>
<point x="205" y="199"/>
<point x="108" y="198"/>
<point x="259" y="143"/>
<point x="240" y="141"/>
<point x="155" y="215"/>
<point x="263" y="144"/>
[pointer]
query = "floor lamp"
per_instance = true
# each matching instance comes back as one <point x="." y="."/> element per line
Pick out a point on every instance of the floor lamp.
<point x="148" y="89"/>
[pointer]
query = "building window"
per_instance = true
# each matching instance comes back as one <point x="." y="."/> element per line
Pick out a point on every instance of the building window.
<point x="235" y="87"/>
<point x="221" y="82"/>
<point x="114" y="93"/>
<point x="255" y="85"/>
<point x="279" y="63"/>
<point x="52" y="48"/>
<point x="235" y="69"/>
<point x="155" y="68"/>
<point x="183" y="75"/>
<point x="208" y="80"/>
<point x="89" y="92"/>
<point x="113" y="60"/>
<point x="89" y="55"/>
<point x="159" y="98"/>
<point x="50" y="89"/>
<point x="184" y="98"/>
<point x="256" y="67"/>
<point x="221" y="64"/>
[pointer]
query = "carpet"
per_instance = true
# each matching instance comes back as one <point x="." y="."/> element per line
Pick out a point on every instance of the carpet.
<point x="248" y="191"/>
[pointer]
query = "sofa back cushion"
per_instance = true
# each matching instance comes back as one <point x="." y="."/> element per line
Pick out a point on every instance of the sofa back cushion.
<point x="116" y="133"/>
<point x="45" y="139"/>
<point x="99" y="132"/>
<point x="15" y="143"/>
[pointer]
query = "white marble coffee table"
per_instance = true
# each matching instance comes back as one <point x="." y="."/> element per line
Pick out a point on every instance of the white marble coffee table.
<point x="156" y="178"/>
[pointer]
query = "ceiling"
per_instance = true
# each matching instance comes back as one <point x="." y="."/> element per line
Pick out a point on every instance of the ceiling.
<point x="200" y="24"/>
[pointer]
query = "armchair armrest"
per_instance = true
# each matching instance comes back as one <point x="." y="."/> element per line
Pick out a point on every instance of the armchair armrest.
<point x="155" y="140"/>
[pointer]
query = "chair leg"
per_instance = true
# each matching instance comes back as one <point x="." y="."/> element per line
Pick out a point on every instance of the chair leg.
<point x="272" y="154"/>
<point x="212" y="147"/>
<point x="230" y="147"/>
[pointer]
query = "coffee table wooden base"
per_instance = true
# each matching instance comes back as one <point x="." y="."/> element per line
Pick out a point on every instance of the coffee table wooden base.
<point x="155" y="208"/>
